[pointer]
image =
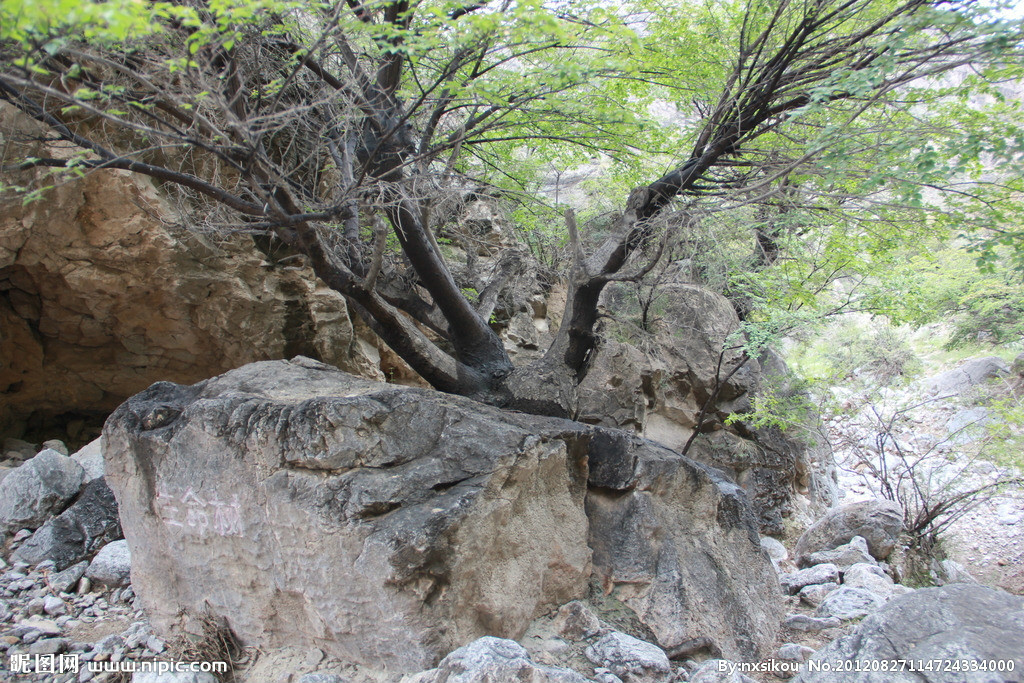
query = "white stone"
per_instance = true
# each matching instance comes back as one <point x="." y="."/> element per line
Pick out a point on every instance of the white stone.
<point x="112" y="564"/>
<point x="90" y="457"/>
<point x="625" y="655"/>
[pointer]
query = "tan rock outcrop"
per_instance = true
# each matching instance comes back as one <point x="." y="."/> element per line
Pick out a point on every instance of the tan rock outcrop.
<point x="102" y="293"/>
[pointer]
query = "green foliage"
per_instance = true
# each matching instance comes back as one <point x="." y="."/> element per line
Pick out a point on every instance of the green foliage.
<point x="876" y="352"/>
<point x="783" y="403"/>
<point x="1004" y="434"/>
<point x="943" y="283"/>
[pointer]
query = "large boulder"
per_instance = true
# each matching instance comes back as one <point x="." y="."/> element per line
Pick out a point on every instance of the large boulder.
<point x="944" y="631"/>
<point x="38" y="489"/>
<point x="879" y="522"/>
<point x="304" y="505"/>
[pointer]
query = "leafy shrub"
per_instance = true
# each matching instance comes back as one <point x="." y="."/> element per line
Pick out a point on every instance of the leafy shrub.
<point x="883" y="353"/>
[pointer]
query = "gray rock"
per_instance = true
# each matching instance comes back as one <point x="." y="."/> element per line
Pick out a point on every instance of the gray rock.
<point x="54" y="606"/>
<point x="802" y="622"/>
<point x="870" y="577"/>
<point x="493" y="660"/>
<point x="879" y="522"/>
<point x="112" y="564"/>
<point x="719" y="671"/>
<point x="821" y="573"/>
<point x="16" y="448"/>
<point x="660" y="393"/>
<point x="849" y="603"/>
<point x="44" y="626"/>
<point x="174" y="677"/>
<point x="313" y="657"/>
<point x="90" y="457"/>
<point x="56" y="445"/>
<point x="965" y="426"/>
<point x="109" y="644"/>
<point x="155" y="645"/>
<point x="38" y="489"/>
<point x="948" y="624"/>
<point x="814" y="594"/>
<point x="322" y="678"/>
<point x="794" y="652"/>
<point x="789" y="660"/>
<point x="48" y="646"/>
<point x="35" y="606"/>
<point x="649" y="530"/>
<point x="64" y="581"/>
<point x="576" y="621"/>
<point x="75" y="534"/>
<point x="950" y="571"/>
<point x="628" y="657"/>
<point x="968" y="374"/>
<point x="776" y="551"/>
<point x="854" y="552"/>
<point x="393" y="514"/>
<point x="1018" y="365"/>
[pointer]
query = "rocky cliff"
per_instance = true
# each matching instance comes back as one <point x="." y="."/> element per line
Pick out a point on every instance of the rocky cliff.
<point x="103" y="292"/>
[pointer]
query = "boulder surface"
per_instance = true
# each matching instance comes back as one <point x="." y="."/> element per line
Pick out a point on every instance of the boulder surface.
<point x="879" y="522"/>
<point x="37" y="489"/>
<point x="305" y="505"/>
<point x="943" y="628"/>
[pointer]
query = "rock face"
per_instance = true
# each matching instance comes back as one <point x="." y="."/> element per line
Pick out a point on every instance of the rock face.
<point x="878" y="522"/>
<point x="948" y="625"/>
<point x="305" y="505"/>
<point x="660" y="395"/>
<point x="665" y="537"/>
<point x="101" y="295"/>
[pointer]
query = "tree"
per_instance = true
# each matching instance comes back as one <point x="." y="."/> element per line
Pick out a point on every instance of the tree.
<point x="306" y="120"/>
